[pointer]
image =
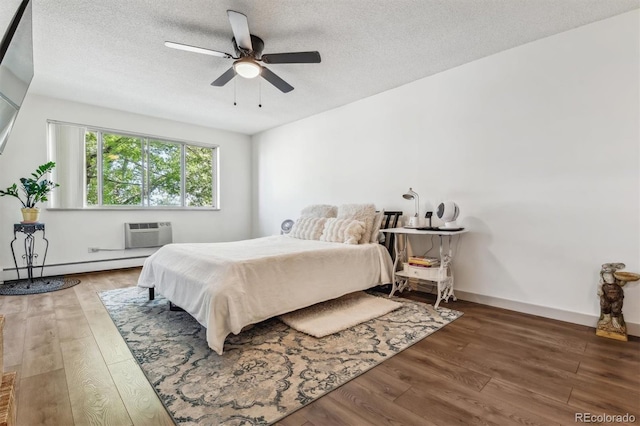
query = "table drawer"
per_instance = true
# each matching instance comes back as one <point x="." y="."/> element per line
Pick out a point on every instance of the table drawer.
<point x="431" y="274"/>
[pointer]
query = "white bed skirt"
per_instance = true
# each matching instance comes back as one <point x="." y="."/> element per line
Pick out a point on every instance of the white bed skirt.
<point x="227" y="286"/>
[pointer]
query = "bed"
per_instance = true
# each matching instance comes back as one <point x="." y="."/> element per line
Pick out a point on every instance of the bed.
<point x="227" y="286"/>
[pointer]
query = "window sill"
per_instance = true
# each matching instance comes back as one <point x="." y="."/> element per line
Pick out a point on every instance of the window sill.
<point x="137" y="208"/>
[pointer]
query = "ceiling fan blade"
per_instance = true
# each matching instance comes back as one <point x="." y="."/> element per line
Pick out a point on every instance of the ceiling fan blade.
<point x="272" y="78"/>
<point x="292" y="58"/>
<point x="224" y="78"/>
<point x="195" y="49"/>
<point x="240" y="28"/>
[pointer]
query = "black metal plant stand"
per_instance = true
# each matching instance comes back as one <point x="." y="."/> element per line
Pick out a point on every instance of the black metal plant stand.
<point x="29" y="247"/>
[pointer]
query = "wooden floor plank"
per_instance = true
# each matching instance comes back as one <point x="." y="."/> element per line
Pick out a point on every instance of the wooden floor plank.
<point x="615" y="350"/>
<point x="88" y="296"/>
<point x="442" y="368"/>
<point x="139" y="398"/>
<point x="44" y="400"/>
<point x="64" y="298"/>
<point x="599" y="401"/>
<point x="374" y="408"/>
<point x="71" y="321"/>
<point x="482" y="408"/>
<point x="554" y="411"/>
<point x="382" y="384"/>
<point x="623" y="373"/>
<point x="40" y="304"/>
<point x="15" y="329"/>
<point x="112" y="346"/>
<point x="436" y="410"/>
<point x="558" y="358"/>
<point x="41" y="345"/>
<point x="326" y="411"/>
<point x="294" y="419"/>
<point x="93" y="394"/>
<point x="13" y="304"/>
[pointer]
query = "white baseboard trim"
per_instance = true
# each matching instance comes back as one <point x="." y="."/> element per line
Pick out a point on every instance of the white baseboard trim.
<point x="76" y="268"/>
<point x="633" y="329"/>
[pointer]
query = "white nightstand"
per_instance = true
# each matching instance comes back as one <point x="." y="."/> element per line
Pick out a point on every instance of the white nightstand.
<point x="442" y="275"/>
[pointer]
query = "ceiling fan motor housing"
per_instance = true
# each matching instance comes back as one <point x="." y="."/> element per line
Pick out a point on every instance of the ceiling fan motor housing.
<point x="256" y="42"/>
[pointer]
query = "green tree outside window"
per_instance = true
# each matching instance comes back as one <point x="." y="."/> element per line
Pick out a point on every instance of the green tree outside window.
<point x="147" y="172"/>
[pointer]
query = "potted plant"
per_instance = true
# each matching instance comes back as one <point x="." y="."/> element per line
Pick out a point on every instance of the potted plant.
<point x="32" y="191"/>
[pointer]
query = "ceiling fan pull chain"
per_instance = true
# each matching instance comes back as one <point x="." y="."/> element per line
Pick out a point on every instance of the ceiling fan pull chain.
<point x="235" y="95"/>
<point x="259" y="93"/>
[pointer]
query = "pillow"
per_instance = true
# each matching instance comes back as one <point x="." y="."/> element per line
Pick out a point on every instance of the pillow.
<point x="320" y="210"/>
<point x="362" y="212"/>
<point x="375" y="230"/>
<point x="348" y="231"/>
<point x="308" y="228"/>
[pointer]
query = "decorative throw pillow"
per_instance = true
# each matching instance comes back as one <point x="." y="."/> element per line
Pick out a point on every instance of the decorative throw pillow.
<point x="320" y="210"/>
<point x="348" y="231"/>
<point x="362" y="212"/>
<point x="375" y="230"/>
<point x="308" y="228"/>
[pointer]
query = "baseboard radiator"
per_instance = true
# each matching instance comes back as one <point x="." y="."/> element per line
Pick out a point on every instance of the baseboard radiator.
<point x="149" y="234"/>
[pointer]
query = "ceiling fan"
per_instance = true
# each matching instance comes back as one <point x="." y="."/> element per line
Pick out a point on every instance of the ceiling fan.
<point x="248" y="48"/>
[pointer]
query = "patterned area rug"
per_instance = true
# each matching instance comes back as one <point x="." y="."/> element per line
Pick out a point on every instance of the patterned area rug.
<point x="39" y="285"/>
<point x="266" y="372"/>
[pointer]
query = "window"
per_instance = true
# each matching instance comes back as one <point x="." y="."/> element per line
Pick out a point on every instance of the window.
<point x="118" y="169"/>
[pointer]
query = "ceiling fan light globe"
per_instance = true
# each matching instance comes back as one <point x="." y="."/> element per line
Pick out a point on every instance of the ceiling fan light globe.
<point x="247" y="68"/>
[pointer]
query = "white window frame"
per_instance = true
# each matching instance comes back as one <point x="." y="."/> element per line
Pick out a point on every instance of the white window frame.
<point x="145" y="139"/>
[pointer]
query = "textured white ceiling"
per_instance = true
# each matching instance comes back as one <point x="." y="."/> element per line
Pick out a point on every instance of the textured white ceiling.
<point x="110" y="52"/>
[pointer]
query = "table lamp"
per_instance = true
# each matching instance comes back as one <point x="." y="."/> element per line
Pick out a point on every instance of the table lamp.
<point x="412" y="195"/>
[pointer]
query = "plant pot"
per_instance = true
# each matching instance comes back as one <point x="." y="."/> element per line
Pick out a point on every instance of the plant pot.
<point x="30" y="215"/>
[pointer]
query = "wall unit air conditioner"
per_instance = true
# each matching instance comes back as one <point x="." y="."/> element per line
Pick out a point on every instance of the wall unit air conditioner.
<point x="150" y="234"/>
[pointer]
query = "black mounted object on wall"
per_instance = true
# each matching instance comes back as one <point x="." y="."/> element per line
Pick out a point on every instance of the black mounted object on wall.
<point x="16" y="68"/>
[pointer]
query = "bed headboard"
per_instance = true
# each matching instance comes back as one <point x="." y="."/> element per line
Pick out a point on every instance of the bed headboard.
<point x="390" y="220"/>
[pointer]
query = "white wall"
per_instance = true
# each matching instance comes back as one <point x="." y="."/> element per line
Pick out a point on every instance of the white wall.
<point x="71" y="232"/>
<point x="538" y="145"/>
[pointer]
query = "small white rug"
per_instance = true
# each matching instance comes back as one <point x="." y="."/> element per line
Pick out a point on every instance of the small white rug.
<point x="335" y="315"/>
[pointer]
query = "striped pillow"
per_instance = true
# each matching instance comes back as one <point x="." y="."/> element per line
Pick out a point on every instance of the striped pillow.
<point x="348" y="231"/>
<point x="308" y="228"/>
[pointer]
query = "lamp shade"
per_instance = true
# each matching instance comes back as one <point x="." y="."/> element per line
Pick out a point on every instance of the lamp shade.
<point x="247" y="68"/>
<point x="412" y="195"/>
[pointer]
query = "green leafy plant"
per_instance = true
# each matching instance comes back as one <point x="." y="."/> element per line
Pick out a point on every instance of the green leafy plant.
<point x="34" y="189"/>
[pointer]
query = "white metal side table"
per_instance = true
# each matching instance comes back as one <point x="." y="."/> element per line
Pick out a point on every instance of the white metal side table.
<point x="442" y="275"/>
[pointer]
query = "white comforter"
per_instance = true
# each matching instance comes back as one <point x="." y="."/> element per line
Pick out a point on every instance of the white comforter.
<point x="227" y="286"/>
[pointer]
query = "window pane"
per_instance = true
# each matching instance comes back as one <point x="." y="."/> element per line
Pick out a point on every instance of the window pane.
<point x="102" y="167"/>
<point x="199" y="176"/>
<point x="91" y="161"/>
<point x="121" y="170"/>
<point x="164" y="174"/>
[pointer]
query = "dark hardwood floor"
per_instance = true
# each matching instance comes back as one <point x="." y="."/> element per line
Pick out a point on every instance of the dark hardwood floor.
<point x="490" y="367"/>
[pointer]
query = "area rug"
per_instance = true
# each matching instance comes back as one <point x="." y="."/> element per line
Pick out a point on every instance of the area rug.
<point x="39" y="285"/>
<point x="335" y="315"/>
<point x="266" y="372"/>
